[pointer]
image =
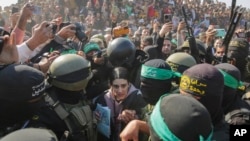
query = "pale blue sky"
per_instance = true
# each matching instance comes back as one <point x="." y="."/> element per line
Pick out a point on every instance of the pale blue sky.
<point x="244" y="3"/>
<point x="4" y="3"/>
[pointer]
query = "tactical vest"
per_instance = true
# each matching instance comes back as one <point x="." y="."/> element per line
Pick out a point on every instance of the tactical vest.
<point x="79" y="119"/>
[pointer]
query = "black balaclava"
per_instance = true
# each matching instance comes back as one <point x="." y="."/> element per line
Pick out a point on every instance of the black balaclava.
<point x="238" y="52"/>
<point x="229" y="94"/>
<point x="152" y="88"/>
<point x="231" y="100"/>
<point x="151" y="52"/>
<point x="206" y="82"/>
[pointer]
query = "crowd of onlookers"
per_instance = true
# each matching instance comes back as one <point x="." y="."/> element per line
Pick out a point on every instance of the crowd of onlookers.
<point x="141" y="81"/>
<point x="174" y="93"/>
<point x="100" y="13"/>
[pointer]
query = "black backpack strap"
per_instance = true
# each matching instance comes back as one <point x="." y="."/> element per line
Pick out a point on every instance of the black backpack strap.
<point x="57" y="107"/>
<point x="77" y="133"/>
<point x="60" y="110"/>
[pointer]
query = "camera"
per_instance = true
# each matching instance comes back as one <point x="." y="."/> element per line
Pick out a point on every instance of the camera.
<point x="53" y="27"/>
<point x="167" y="18"/>
<point x="80" y="34"/>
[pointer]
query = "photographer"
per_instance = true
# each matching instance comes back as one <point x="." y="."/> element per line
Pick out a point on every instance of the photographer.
<point x="61" y="43"/>
<point x="12" y="53"/>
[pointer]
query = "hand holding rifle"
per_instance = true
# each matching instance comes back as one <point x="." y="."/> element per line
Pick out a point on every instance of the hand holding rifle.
<point x="191" y="39"/>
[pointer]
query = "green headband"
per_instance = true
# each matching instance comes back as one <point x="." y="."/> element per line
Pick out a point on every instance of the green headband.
<point x="230" y="81"/>
<point x="66" y="51"/>
<point x="162" y="130"/>
<point x="71" y="51"/>
<point x="90" y="46"/>
<point x="158" y="73"/>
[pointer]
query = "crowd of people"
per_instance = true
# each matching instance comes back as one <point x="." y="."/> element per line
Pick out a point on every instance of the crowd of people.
<point x="98" y="14"/>
<point x="114" y="70"/>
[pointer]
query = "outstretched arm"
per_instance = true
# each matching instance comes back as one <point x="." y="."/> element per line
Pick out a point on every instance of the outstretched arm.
<point x="131" y="131"/>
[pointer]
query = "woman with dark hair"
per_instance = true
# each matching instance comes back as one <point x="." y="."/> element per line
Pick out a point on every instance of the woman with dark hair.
<point x="124" y="101"/>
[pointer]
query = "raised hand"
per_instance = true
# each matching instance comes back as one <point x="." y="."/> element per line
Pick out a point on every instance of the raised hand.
<point x="9" y="52"/>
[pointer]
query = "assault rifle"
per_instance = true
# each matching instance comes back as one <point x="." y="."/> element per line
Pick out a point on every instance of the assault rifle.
<point x="233" y="24"/>
<point x="191" y="39"/>
<point x="232" y="9"/>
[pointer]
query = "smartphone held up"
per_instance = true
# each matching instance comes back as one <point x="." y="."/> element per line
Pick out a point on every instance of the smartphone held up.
<point x="167" y="18"/>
